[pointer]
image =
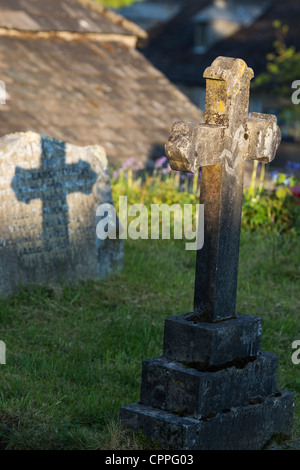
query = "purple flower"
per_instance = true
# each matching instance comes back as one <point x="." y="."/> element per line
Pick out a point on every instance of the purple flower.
<point x="185" y="176"/>
<point x="128" y="163"/>
<point x="160" y="162"/>
<point x="166" y="170"/>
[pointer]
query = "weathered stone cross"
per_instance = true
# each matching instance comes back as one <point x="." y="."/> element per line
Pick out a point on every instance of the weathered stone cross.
<point x="52" y="182"/>
<point x="220" y="146"/>
<point x="199" y="393"/>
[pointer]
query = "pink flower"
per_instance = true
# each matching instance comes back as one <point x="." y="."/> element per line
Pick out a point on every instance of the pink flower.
<point x="295" y="190"/>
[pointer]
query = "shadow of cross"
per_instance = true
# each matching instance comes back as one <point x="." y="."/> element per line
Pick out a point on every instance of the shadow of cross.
<point x="51" y="183"/>
<point x="220" y="147"/>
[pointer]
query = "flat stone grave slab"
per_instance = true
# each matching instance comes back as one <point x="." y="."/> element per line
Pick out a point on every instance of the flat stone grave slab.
<point x="49" y="192"/>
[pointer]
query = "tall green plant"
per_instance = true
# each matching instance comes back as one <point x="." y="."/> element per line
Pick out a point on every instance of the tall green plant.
<point x="116" y="3"/>
<point x="278" y="211"/>
<point x="282" y="69"/>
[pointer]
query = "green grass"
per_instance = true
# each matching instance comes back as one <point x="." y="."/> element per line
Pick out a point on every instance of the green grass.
<point x="74" y="354"/>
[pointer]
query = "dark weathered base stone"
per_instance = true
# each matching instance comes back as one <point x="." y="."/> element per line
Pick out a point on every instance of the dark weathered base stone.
<point x="209" y="344"/>
<point x="249" y="427"/>
<point x="173" y="387"/>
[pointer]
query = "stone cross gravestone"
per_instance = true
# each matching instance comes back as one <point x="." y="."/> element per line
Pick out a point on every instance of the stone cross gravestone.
<point x="49" y="192"/>
<point x="214" y="388"/>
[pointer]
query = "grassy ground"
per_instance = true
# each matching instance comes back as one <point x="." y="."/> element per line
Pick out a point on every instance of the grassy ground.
<point x="74" y="353"/>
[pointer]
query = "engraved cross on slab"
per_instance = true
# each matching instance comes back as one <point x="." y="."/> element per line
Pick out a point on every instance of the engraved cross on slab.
<point x="220" y="146"/>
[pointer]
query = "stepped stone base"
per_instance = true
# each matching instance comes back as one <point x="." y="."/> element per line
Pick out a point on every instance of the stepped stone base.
<point x="212" y="389"/>
<point x="243" y="428"/>
<point x="174" y="387"/>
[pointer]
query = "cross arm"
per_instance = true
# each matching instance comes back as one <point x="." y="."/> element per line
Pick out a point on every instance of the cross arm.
<point x="38" y="182"/>
<point x="193" y="145"/>
<point x="26" y="184"/>
<point x="264" y="137"/>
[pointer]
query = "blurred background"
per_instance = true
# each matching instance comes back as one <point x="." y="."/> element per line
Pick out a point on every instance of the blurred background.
<point x="185" y="36"/>
<point x="118" y="73"/>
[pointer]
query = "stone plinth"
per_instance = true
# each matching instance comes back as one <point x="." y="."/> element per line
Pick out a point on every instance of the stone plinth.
<point x="243" y="428"/>
<point x="208" y="344"/>
<point x="175" y="387"/>
<point x="189" y="404"/>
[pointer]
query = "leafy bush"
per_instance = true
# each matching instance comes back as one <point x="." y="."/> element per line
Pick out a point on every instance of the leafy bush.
<point x="282" y="69"/>
<point x="277" y="210"/>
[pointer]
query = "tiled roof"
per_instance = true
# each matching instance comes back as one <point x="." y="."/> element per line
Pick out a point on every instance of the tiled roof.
<point x="84" y="85"/>
<point x="89" y="93"/>
<point x="63" y="15"/>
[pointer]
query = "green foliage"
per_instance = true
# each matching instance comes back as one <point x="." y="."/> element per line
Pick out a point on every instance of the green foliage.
<point x="282" y="69"/>
<point x="283" y="64"/>
<point x="275" y="211"/>
<point x="116" y="3"/>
